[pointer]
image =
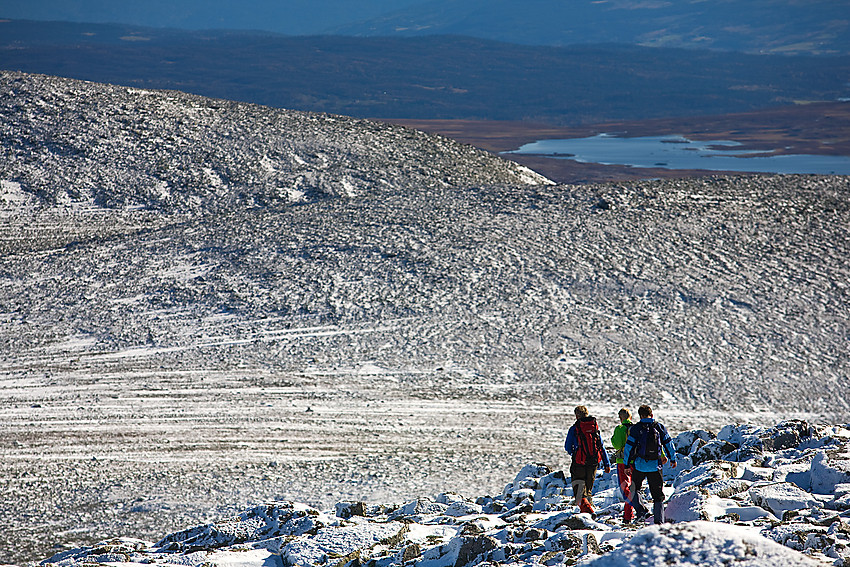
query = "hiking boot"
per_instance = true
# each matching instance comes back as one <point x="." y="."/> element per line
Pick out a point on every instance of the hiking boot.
<point x="642" y="517"/>
<point x="586" y="507"/>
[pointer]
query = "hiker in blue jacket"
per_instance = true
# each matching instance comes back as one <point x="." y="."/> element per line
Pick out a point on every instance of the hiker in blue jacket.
<point x="584" y="444"/>
<point x="647" y="449"/>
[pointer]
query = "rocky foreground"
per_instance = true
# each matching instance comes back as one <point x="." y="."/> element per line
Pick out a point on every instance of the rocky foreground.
<point x="746" y="496"/>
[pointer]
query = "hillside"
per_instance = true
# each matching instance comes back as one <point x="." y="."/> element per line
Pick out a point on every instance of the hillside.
<point x="224" y="303"/>
<point x="434" y="77"/>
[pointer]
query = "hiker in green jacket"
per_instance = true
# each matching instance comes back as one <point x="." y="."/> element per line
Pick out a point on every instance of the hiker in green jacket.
<point x="624" y="473"/>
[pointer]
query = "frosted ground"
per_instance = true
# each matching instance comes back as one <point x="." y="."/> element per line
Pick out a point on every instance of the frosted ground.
<point x="747" y="496"/>
<point x="206" y="305"/>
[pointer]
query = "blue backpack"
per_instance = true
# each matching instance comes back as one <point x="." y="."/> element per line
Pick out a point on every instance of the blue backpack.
<point x="648" y="437"/>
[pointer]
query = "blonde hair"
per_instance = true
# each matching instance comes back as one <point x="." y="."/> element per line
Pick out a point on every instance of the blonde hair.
<point x="581" y="411"/>
<point x="624" y="413"/>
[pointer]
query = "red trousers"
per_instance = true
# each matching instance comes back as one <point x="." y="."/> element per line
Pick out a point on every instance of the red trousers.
<point x="624" y="475"/>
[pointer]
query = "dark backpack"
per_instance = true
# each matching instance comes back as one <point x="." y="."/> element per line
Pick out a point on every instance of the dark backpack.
<point x="587" y="434"/>
<point x="648" y="438"/>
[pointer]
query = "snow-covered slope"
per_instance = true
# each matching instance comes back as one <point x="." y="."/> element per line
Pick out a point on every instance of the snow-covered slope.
<point x="776" y="497"/>
<point x="205" y="303"/>
<point x="72" y="142"/>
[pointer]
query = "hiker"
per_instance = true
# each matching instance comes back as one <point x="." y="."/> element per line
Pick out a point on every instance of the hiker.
<point x="648" y="447"/>
<point x="624" y="473"/>
<point x="584" y="444"/>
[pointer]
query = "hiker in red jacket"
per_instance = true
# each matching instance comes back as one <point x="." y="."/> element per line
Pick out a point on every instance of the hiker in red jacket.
<point x="584" y="444"/>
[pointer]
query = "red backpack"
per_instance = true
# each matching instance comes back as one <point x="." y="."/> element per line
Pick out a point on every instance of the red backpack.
<point x="589" y="450"/>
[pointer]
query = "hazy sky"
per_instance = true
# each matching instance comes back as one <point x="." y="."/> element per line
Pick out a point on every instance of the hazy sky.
<point x="295" y="17"/>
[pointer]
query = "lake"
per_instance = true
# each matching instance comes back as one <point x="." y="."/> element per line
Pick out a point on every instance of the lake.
<point x="678" y="152"/>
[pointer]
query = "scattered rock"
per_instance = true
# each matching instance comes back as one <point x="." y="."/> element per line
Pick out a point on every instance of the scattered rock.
<point x="718" y="509"/>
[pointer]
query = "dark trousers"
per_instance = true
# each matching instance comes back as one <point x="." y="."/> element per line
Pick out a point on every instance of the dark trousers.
<point x="583" y="477"/>
<point x="656" y="488"/>
<point x="655" y="480"/>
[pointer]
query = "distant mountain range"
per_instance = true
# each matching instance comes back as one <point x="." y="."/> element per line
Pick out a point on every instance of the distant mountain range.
<point x="292" y="17"/>
<point x="446" y="77"/>
<point x="754" y="26"/>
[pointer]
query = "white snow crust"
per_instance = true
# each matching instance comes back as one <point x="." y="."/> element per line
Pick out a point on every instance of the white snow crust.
<point x="534" y="522"/>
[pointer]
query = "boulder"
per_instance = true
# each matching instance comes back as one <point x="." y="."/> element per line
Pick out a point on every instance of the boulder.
<point x="448" y="498"/>
<point x="337" y="541"/>
<point x="520" y="497"/>
<point x="827" y="472"/>
<point x="841" y="499"/>
<point x="699" y="504"/>
<point x="688" y="441"/>
<point x="753" y="473"/>
<point x="712" y="451"/>
<point x="564" y="541"/>
<point x="752" y="449"/>
<point x="727" y="487"/>
<point x="533" y="471"/>
<point x="785" y="435"/>
<point x="749" y="513"/>
<point x="462" y="508"/>
<point x="799" y="473"/>
<point x="705" y="474"/>
<point x="472" y="548"/>
<point x="779" y="497"/>
<point x="528" y="479"/>
<point x="687" y="506"/>
<point x="417" y="509"/>
<point x="701" y="543"/>
<point x="552" y="483"/>
<point x="738" y="434"/>
<point x="458" y="505"/>
<point x="346" y="510"/>
<point x="411" y="552"/>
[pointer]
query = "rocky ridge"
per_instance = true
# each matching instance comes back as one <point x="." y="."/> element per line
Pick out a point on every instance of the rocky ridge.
<point x="778" y="492"/>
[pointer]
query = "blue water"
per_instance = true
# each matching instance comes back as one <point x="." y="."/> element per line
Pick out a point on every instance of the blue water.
<point x="677" y="152"/>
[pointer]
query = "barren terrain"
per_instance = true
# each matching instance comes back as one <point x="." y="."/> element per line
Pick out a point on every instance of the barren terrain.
<point x="206" y="304"/>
